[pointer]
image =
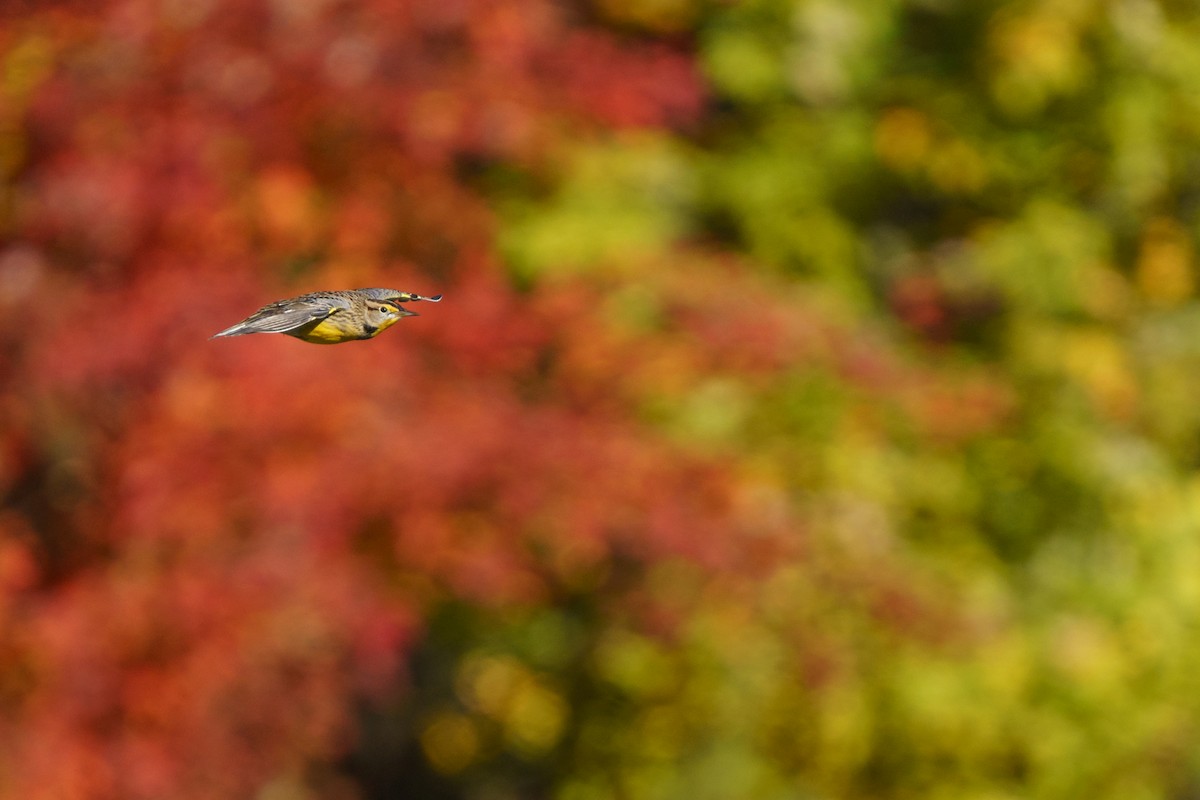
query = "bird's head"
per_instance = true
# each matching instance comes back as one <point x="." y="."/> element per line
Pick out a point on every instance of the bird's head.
<point x="383" y="314"/>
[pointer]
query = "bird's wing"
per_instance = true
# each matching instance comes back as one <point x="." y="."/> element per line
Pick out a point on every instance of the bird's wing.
<point x="396" y="296"/>
<point x="286" y="315"/>
<point x="291" y="314"/>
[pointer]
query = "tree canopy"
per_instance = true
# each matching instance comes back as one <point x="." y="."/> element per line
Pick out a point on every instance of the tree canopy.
<point x="811" y="412"/>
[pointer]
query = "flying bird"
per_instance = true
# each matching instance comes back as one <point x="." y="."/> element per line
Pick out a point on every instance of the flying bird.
<point x="331" y="317"/>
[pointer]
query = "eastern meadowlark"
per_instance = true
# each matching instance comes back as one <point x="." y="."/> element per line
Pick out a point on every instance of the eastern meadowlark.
<point x="331" y="317"/>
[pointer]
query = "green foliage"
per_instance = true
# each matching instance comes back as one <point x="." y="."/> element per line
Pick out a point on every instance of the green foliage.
<point x="615" y="204"/>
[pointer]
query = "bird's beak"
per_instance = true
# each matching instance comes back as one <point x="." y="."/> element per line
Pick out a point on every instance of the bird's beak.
<point x="404" y="312"/>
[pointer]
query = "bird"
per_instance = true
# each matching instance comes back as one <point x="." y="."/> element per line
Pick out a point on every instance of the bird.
<point x="331" y="317"/>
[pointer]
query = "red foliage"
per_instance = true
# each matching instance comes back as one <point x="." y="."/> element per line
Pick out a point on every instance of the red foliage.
<point x="213" y="545"/>
<point x="210" y="547"/>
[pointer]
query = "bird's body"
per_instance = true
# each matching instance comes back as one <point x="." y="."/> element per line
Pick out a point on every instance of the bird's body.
<point x="331" y="317"/>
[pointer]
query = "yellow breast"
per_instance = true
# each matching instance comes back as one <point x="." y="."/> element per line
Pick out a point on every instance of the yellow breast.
<point x="338" y="328"/>
<point x="331" y="330"/>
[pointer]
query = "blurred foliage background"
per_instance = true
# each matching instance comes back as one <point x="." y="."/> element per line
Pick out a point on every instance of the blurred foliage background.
<point x="812" y="411"/>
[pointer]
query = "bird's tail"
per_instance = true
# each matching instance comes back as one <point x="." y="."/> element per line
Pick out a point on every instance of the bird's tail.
<point x="241" y="329"/>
